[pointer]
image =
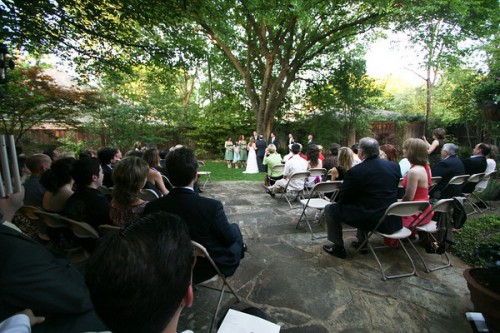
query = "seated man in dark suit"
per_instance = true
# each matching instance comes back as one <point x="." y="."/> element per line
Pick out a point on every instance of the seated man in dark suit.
<point x="368" y="189"/>
<point x="34" y="278"/>
<point x="205" y="217"/>
<point x="476" y="164"/>
<point x="449" y="167"/>
<point x="140" y="279"/>
<point x="107" y="156"/>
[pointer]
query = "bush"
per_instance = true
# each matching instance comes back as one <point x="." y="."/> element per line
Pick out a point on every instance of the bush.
<point x="477" y="240"/>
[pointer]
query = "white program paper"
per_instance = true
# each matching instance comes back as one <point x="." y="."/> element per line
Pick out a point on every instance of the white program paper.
<point x="239" y="322"/>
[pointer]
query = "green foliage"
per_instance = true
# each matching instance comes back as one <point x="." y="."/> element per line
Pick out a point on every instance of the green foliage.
<point x="32" y="98"/>
<point x="68" y="144"/>
<point x="475" y="237"/>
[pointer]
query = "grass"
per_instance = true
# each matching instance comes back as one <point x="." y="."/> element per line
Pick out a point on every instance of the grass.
<point x="220" y="172"/>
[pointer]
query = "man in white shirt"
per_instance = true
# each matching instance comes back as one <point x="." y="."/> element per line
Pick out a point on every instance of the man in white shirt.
<point x="294" y="164"/>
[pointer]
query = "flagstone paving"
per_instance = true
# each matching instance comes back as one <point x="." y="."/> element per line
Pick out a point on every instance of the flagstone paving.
<point x="303" y="289"/>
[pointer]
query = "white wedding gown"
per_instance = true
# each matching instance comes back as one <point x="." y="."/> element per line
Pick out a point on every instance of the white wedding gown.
<point x="252" y="166"/>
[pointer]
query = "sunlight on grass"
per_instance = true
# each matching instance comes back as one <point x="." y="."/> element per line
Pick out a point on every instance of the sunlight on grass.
<point x="221" y="172"/>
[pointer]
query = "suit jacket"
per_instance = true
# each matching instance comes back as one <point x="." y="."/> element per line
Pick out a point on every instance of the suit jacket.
<point x="447" y="169"/>
<point x="107" y="171"/>
<point x="473" y="165"/>
<point x="368" y="189"/>
<point x="33" y="277"/>
<point x="276" y="141"/>
<point x="208" y="225"/>
<point x="261" y="148"/>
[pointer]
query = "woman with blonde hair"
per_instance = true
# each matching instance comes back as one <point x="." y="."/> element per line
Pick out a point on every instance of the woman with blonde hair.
<point x="345" y="161"/>
<point x="154" y="179"/>
<point x="129" y="176"/>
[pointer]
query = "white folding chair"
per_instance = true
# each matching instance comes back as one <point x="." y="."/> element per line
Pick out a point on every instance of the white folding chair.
<point x="108" y="229"/>
<point x="276" y="169"/>
<point x="294" y="193"/>
<point x="203" y="172"/>
<point x="481" y="187"/>
<point x="314" y="172"/>
<point x="29" y="214"/>
<point x="473" y="179"/>
<point x="318" y="201"/>
<point x="200" y="251"/>
<point x="167" y="182"/>
<point x="455" y="181"/>
<point x="445" y="207"/>
<point x="434" y="181"/>
<point x="402" y="208"/>
<point x="148" y="194"/>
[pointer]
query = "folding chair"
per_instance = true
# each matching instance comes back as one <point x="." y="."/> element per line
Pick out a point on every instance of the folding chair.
<point x="200" y="251"/>
<point x="60" y="239"/>
<point x="202" y="171"/>
<point x="299" y="176"/>
<point x="481" y="187"/>
<point x="148" y="194"/>
<point x="167" y="182"/>
<point x="108" y="229"/>
<point x="402" y="208"/>
<point x="445" y="207"/>
<point x="319" y="201"/>
<point x="473" y="179"/>
<point x="434" y="181"/>
<point x="321" y="172"/>
<point x="29" y="214"/>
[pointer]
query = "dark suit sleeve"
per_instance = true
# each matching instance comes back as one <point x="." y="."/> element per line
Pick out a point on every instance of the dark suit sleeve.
<point x="34" y="278"/>
<point x="348" y="189"/>
<point x="221" y="228"/>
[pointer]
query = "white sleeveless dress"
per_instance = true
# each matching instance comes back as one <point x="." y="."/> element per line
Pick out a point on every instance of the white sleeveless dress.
<point x="252" y="166"/>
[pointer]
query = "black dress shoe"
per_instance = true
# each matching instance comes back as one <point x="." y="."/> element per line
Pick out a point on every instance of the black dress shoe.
<point x="335" y="251"/>
<point x="357" y="244"/>
<point x="271" y="193"/>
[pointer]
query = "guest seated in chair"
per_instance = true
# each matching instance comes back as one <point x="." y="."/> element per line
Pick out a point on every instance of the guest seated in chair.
<point x="449" y="167"/>
<point x="476" y="164"/>
<point x="271" y="159"/>
<point x="35" y="278"/>
<point x="368" y="189"/>
<point x="140" y="279"/>
<point x="294" y="164"/>
<point x="205" y="217"/>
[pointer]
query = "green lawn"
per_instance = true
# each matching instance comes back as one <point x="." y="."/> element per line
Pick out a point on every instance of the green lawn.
<point x="220" y="172"/>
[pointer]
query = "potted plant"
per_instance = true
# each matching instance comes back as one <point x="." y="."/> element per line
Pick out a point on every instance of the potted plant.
<point x="484" y="286"/>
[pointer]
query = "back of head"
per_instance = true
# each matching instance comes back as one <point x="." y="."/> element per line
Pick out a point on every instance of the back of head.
<point x="83" y="170"/>
<point x="138" y="278"/>
<point x="485" y="149"/>
<point x="271" y="148"/>
<point x="390" y="151"/>
<point x="334" y="149"/>
<point x="369" y="147"/>
<point x="416" y="151"/>
<point x="85" y="154"/>
<point x="355" y="147"/>
<point x="106" y="154"/>
<point x="345" y="159"/>
<point x="37" y="163"/>
<point x="182" y="166"/>
<point x="58" y="175"/>
<point x="129" y="176"/>
<point x="152" y="157"/>
<point x="439" y="133"/>
<point x="450" y="148"/>
<point x="312" y="154"/>
<point x="296" y="148"/>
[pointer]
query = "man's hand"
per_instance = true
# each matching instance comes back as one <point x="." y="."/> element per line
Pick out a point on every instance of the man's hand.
<point x="33" y="319"/>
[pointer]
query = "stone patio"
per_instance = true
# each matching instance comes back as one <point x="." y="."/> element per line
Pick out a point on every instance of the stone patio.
<point x="290" y="278"/>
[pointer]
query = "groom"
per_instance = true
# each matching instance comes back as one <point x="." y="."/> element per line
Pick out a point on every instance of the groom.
<point x="261" y="152"/>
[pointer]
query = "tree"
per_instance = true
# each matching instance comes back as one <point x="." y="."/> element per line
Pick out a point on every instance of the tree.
<point x="31" y="98"/>
<point x="440" y="29"/>
<point x="347" y="92"/>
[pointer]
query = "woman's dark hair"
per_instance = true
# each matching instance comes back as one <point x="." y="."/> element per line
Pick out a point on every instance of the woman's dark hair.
<point x="334" y="149"/>
<point x="58" y="175"/>
<point x="312" y="154"/>
<point x="151" y="157"/>
<point x="391" y="152"/>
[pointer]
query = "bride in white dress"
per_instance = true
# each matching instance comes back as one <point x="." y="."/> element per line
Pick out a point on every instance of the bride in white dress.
<point x="252" y="166"/>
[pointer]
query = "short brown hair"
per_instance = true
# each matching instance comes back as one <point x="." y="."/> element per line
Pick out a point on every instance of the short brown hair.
<point x="439" y="133"/>
<point x="416" y="151"/>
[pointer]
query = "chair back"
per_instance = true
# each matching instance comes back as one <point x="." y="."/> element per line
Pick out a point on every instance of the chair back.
<point x="148" y="194"/>
<point x="317" y="172"/>
<point x="277" y="168"/>
<point x="167" y="182"/>
<point x="52" y="220"/>
<point x="434" y="182"/>
<point x="406" y="208"/>
<point x="108" y="229"/>
<point x="443" y="206"/>
<point x="299" y="175"/>
<point x="29" y="212"/>
<point x="475" y="178"/>
<point x="81" y="229"/>
<point x="458" y="180"/>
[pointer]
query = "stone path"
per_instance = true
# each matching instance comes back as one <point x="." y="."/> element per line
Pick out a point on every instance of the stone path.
<point x="287" y="275"/>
